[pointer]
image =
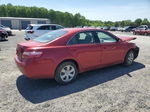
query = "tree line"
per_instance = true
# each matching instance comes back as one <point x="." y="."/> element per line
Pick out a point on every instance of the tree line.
<point x="63" y="18"/>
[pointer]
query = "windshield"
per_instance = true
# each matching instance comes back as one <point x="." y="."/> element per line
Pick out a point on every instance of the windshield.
<point x="50" y="36"/>
<point x="29" y="28"/>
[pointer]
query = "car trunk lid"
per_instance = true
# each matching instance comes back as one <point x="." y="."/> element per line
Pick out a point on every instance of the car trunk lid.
<point x="21" y="47"/>
<point x="124" y="39"/>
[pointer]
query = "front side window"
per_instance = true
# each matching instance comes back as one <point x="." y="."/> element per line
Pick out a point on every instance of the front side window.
<point x="50" y="36"/>
<point x="105" y="38"/>
<point x="83" y="38"/>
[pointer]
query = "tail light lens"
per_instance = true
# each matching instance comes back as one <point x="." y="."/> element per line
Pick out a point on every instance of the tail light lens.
<point x="31" y="54"/>
<point x="30" y="31"/>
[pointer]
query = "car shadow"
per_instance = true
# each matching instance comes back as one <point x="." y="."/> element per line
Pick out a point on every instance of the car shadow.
<point x="12" y="35"/>
<point x="4" y="40"/>
<point x="37" y="91"/>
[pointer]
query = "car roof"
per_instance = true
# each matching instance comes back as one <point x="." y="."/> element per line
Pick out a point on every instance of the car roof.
<point x="43" y="24"/>
<point x="72" y="30"/>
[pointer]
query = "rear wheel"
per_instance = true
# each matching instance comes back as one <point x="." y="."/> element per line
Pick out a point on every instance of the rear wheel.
<point x="66" y="72"/>
<point x="129" y="58"/>
<point x="146" y="34"/>
<point x="134" y="33"/>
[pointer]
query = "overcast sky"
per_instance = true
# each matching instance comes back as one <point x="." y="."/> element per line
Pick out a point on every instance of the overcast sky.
<point x="113" y="10"/>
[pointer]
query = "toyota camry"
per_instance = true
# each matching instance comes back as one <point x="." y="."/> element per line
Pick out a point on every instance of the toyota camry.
<point x="64" y="53"/>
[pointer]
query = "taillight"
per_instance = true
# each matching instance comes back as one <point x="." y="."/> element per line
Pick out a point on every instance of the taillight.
<point x="30" y="31"/>
<point x="31" y="54"/>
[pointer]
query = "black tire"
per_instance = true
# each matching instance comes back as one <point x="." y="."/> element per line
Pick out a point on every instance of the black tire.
<point x="129" y="58"/>
<point x="3" y="38"/>
<point x="134" y="33"/>
<point x="0" y="38"/>
<point x="146" y="34"/>
<point x="59" y="74"/>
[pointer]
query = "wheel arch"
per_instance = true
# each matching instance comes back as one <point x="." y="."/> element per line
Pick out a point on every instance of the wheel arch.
<point x="135" y="50"/>
<point x="69" y="60"/>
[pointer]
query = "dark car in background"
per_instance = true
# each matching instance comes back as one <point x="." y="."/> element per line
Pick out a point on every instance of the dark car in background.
<point x="7" y="29"/>
<point x="129" y="28"/>
<point x="3" y="34"/>
<point x="113" y="28"/>
<point x="106" y="28"/>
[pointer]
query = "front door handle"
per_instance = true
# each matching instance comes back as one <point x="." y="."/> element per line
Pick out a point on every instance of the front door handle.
<point x="109" y="47"/>
<point x="104" y="47"/>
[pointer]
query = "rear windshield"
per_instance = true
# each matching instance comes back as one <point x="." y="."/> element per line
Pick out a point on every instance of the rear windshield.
<point x="29" y="27"/>
<point x="50" y="36"/>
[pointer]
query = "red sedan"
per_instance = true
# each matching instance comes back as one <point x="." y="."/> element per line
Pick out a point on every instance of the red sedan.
<point x="62" y="54"/>
<point x="142" y="32"/>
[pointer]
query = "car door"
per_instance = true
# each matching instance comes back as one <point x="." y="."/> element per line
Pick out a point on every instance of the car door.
<point x="84" y="48"/>
<point x="111" y="49"/>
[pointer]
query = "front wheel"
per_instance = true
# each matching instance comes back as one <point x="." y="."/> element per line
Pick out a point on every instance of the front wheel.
<point x="2" y="38"/>
<point x="129" y="58"/>
<point x="66" y="72"/>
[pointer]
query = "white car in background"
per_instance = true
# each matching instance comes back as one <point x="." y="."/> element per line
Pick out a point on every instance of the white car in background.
<point x="35" y="30"/>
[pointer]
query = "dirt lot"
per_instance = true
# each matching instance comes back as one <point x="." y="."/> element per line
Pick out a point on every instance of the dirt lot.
<point x="112" y="89"/>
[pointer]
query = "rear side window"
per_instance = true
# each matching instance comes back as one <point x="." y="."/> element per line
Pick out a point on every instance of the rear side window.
<point x="83" y="38"/>
<point x="50" y="36"/>
<point x="44" y="28"/>
<point x="29" y="27"/>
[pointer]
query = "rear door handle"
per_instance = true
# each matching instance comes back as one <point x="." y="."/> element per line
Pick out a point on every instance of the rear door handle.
<point x="73" y="49"/>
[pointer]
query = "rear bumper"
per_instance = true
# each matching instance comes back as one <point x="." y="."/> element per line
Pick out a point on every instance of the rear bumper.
<point x="35" y="69"/>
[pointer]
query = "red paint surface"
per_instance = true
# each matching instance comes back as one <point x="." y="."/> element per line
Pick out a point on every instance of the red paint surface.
<point x="87" y="56"/>
<point x="142" y="32"/>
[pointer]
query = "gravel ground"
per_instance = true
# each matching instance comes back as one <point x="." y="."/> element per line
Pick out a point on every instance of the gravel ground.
<point x="112" y="89"/>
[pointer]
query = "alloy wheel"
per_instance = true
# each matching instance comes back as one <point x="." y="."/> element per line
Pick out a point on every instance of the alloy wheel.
<point x="130" y="57"/>
<point x="67" y="73"/>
